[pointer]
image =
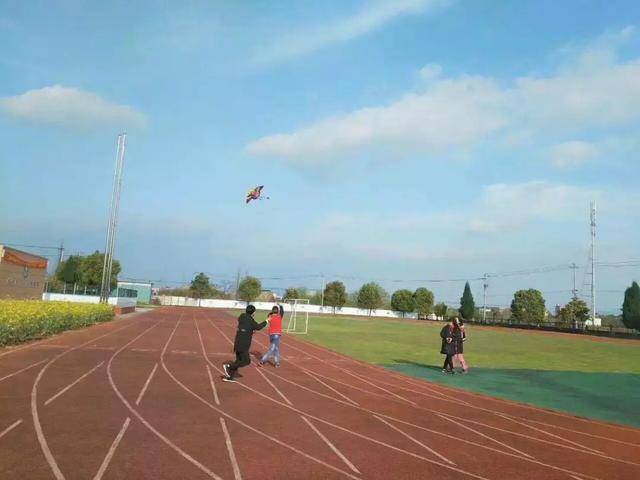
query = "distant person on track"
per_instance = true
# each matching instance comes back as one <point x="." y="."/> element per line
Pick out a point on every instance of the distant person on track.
<point x="275" y="333"/>
<point x="246" y="326"/>
<point x="459" y="337"/>
<point x="448" y="347"/>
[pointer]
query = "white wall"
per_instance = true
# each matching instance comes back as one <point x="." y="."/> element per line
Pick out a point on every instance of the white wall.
<point x="217" y="303"/>
<point x="67" y="297"/>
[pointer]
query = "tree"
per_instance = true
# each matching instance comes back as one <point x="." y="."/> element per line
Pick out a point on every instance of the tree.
<point x="91" y="269"/>
<point x="69" y="270"/>
<point x="370" y="296"/>
<point x="291" y="293"/>
<point x="423" y="301"/>
<point x="403" y="301"/>
<point x="440" y="310"/>
<point x="467" y="305"/>
<point x="335" y="295"/>
<point x="200" y="287"/>
<point x="249" y="289"/>
<point x="528" y="306"/>
<point x="631" y="307"/>
<point x="574" y="311"/>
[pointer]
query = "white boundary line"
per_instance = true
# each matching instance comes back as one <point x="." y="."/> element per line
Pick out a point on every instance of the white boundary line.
<point x="142" y="420"/>
<point x="441" y="457"/>
<point x="44" y="446"/>
<point x="418" y="383"/>
<point x="10" y="427"/>
<point x="213" y="386"/>
<point x="331" y="446"/>
<point x="274" y="387"/>
<point x="327" y="385"/>
<point x="483" y="435"/>
<point x="520" y="422"/>
<point x="146" y="384"/>
<point x="112" y="450"/>
<point x="73" y="383"/>
<point x="23" y="369"/>
<point x="232" y="455"/>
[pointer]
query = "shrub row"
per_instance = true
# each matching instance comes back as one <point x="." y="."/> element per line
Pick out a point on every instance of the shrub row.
<point x="24" y="320"/>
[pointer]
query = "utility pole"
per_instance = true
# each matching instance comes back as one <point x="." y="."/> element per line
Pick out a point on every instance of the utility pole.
<point x="574" y="291"/>
<point x="322" y="294"/>
<point x="105" y="288"/>
<point x="593" y="261"/>
<point x="237" y="283"/>
<point x="485" y="285"/>
<point x="61" y="253"/>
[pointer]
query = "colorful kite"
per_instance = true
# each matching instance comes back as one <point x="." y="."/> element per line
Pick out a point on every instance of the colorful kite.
<point x="256" y="194"/>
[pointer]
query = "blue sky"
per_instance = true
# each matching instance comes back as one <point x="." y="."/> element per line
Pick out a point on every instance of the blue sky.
<point x="406" y="139"/>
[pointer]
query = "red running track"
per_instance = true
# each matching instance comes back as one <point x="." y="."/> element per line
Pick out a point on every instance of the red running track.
<point x="141" y="397"/>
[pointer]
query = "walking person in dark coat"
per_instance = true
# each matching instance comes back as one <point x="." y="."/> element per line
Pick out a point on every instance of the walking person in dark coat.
<point x="459" y="337"/>
<point x="246" y="326"/>
<point x="448" y="347"/>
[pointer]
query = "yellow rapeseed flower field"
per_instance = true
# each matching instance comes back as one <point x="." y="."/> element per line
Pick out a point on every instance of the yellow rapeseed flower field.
<point x="23" y="320"/>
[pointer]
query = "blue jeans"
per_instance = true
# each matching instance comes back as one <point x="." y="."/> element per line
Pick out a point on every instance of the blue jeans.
<point x="274" y="349"/>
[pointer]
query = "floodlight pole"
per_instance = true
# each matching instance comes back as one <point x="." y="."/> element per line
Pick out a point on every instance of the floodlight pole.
<point x="114" y="208"/>
<point x="593" y="261"/>
<point x="485" y="285"/>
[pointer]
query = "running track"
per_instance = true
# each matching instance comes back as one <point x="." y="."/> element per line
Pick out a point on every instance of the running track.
<point x="141" y="397"/>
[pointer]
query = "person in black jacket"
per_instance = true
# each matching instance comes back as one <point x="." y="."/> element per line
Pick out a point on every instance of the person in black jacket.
<point x="246" y="326"/>
<point x="448" y="347"/>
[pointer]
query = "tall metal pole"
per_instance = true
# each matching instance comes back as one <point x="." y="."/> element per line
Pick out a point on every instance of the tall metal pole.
<point x="593" y="261"/>
<point x="322" y="302"/>
<point x="485" y="285"/>
<point x="114" y="208"/>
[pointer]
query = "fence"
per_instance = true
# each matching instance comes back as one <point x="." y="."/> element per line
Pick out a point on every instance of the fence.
<point x="121" y="303"/>
<point x="89" y="290"/>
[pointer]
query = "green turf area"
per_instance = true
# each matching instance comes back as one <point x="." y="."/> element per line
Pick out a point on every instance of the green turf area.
<point x="572" y="373"/>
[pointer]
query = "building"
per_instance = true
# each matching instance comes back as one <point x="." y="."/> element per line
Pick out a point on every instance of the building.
<point x="144" y="289"/>
<point x="22" y="275"/>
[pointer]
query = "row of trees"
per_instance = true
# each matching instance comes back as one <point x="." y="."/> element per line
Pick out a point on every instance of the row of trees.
<point x="527" y="306"/>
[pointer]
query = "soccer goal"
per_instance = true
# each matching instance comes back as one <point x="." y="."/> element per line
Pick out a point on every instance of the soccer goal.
<point x="298" y="316"/>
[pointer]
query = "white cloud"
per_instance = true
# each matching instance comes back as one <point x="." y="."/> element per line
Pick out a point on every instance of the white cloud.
<point x="70" y="108"/>
<point x="573" y="153"/>
<point x="374" y="16"/>
<point x="454" y="114"/>
<point x="430" y="72"/>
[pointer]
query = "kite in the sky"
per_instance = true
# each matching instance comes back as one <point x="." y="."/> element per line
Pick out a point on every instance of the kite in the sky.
<point x="256" y="194"/>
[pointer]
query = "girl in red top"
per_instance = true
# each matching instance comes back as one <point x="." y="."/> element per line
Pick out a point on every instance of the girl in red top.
<point x="275" y="332"/>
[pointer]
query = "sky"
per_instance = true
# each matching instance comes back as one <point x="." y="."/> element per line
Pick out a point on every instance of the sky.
<point x="398" y="140"/>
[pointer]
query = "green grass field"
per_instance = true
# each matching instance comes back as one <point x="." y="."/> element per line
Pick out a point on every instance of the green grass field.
<point x="573" y="373"/>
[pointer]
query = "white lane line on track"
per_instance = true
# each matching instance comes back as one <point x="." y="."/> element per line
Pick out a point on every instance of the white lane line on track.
<point x="599" y="437"/>
<point x="42" y="440"/>
<point x="10" y="427"/>
<point x="146" y="384"/>
<point x="416" y="383"/>
<point x="417" y="442"/>
<point x="143" y="350"/>
<point x="456" y="401"/>
<point x="337" y="427"/>
<point x="23" y="369"/>
<point x="451" y="437"/>
<point x="466" y="427"/>
<point x="327" y="385"/>
<point x="142" y="420"/>
<point x="282" y="395"/>
<point x="331" y="446"/>
<point x="112" y="450"/>
<point x="240" y="422"/>
<point x="520" y="422"/>
<point x="73" y="383"/>
<point x="213" y="385"/>
<point x="232" y="455"/>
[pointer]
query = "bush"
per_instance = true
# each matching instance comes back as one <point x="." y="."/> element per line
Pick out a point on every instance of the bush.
<point x="24" y="320"/>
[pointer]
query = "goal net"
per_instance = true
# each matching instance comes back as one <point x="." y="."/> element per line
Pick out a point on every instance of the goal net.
<point x="298" y="316"/>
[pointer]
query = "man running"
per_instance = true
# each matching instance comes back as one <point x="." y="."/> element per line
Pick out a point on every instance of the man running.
<point x="246" y="326"/>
